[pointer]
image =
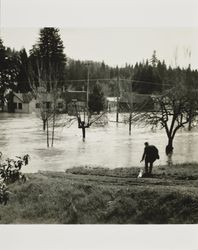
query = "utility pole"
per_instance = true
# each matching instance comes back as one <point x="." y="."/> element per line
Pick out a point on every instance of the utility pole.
<point x="131" y="106"/>
<point x="118" y="84"/>
<point x="87" y="96"/>
<point x="88" y="64"/>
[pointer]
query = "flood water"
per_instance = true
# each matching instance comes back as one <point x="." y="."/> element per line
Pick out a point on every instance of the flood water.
<point x="109" y="146"/>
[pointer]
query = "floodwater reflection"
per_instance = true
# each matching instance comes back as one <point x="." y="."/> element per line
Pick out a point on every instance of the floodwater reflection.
<point x="109" y="146"/>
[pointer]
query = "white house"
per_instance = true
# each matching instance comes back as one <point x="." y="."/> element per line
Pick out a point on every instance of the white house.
<point x="112" y="103"/>
<point x="21" y="103"/>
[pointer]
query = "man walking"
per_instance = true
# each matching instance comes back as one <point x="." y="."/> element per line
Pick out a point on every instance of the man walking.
<point x="150" y="155"/>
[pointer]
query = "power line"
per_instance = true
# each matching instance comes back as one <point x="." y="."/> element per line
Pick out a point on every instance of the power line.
<point x="122" y="79"/>
<point x="147" y="82"/>
<point x="114" y="80"/>
<point x="78" y="80"/>
<point x="126" y="80"/>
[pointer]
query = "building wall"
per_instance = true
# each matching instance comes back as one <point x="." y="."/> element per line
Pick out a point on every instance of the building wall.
<point x="111" y="106"/>
<point x="61" y="101"/>
<point x="22" y="107"/>
<point x="32" y="106"/>
<point x="72" y="108"/>
<point x="18" y="105"/>
<point x="25" y="108"/>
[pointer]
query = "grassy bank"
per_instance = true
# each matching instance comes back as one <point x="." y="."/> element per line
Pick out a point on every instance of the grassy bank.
<point x="97" y="195"/>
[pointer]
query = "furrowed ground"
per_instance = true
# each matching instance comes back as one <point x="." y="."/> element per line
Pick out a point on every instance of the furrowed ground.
<point x="84" y="195"/>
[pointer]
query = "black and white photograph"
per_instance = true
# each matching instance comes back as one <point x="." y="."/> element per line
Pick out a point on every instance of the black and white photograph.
<point x="99" y="115"/>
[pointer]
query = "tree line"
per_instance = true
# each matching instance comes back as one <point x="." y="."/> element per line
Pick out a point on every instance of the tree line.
<point x="48" y="51"/>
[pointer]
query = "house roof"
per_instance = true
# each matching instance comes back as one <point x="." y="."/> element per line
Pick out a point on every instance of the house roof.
<point x="112" y="99"/>
<point x="24" y="97"/>
<point x="137" y="98"/>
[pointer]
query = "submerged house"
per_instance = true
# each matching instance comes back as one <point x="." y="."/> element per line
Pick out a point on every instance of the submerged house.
<point x="76" y="101"/>
<point x="21" y="103"/>
<point x="47" y="100"/>
<point x="112" y="103"/>
<point x="140" y="102"/>
<point x="143" y="102"/>
<point x="65" y="102"/>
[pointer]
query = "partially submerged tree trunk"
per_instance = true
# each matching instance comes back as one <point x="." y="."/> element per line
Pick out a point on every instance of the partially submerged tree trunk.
<point x="190" y="121"/>
<point x="169" y="147"/>
<point x="81" y="124"/>
<point x="53" y="128"/>
<point x="44" y="124"/>
<point x="47" y="133"/>
<point x="130" y="123"/>
<point x="83" y="133"/>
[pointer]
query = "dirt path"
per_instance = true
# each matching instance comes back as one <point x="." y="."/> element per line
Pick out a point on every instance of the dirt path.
<point x="129" y="182"/>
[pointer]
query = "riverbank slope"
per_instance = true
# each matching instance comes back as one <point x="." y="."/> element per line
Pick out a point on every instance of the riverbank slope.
<point x="84" y="195"/>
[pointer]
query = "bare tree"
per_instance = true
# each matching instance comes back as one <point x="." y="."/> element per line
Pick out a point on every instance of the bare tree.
<point x="173" y="110"/>
<point x="87" y="119"/>
<point x="127" y="97"/>
<point x="46" y="90"/>
<point x="128" y="103"/>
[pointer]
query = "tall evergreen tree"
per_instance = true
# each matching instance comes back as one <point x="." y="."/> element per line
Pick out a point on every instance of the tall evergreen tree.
<point x="9" y="68"/>
<point x="23" y="82"/>
<point x="48" y="55"/>
<point x="96" y="99"/>
<point x="154" y="61"/>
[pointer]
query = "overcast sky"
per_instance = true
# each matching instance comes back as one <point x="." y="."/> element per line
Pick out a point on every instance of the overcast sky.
<point x="113" y="31"/>
<point x="117" y="46"/>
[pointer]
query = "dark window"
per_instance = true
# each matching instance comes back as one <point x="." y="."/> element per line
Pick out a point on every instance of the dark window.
<point x="15" y="105"/>
<point x="48" y="105"/>
<point x="37" y="105"/>
<point x="20" y="105"/>
<point x="60" y="105"/>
